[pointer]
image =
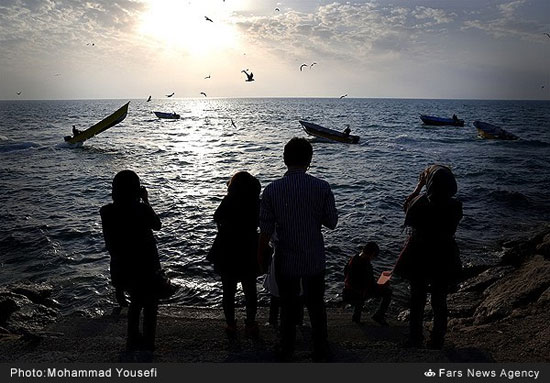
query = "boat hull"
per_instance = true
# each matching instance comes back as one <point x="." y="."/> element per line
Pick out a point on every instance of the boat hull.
<point x="169" y="116"/>
<point x="440" y="121"/>
<point x="492" y="132"/>
<point x="330" y="134"/>
<point x="101" y="126"/>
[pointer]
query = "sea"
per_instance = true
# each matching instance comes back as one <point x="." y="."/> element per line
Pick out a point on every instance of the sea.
<point x="51" y="192"/>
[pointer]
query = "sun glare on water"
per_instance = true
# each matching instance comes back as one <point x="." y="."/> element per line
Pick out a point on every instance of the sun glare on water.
<point x="181" y="25"/>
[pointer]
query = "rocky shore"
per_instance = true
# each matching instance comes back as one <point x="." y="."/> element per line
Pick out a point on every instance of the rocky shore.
<point x="499" y="314"/>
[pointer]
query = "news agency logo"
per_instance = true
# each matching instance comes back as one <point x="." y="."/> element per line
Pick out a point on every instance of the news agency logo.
<point x="429" y="373"/>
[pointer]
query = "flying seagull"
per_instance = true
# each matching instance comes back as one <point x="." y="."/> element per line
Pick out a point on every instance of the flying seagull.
<point x="19" y="93"/>
<point x="249" y="77"/>
<point x="233" y="124"/>
<point x="204" y="94"/>
<point x="312" y="64"/>
<point x="207" y="77"/>
<point x="170" y="95"/>
<point x="92" y="44"/>
<point x="302" y="66"/>
<point x="343" y="95"/>
<point x="277" y="9"/>
<point x="208" y="19"/>
<point x="149" y="99"/>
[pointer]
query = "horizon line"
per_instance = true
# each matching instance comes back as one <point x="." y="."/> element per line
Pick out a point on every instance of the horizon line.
<point x="279" y="97"/>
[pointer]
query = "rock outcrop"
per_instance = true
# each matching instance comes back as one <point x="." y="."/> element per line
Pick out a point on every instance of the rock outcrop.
<point x="26" y="308"/>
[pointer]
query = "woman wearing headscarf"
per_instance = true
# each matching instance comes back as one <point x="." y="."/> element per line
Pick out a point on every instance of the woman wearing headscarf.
<point x="431" y="260"/>
<point x="128" y="225"/>
<point x="237" y="219"/>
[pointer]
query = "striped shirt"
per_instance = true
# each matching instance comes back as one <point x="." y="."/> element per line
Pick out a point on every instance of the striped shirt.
<point x="295" y="207"/>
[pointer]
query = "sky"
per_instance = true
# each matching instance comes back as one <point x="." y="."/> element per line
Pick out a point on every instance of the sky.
<point x="103" y="49"/>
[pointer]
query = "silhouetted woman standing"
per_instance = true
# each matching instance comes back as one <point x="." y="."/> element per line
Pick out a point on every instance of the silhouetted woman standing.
<point x="128" y="225"/>
<point x="431" y="260"/>
<point x="237" y="221"/>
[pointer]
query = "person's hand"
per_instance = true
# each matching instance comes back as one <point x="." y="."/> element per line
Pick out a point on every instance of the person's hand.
<point x="144" y="194"/>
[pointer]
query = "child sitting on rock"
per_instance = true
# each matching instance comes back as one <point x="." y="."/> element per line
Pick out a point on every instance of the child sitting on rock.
<point x="359" y="284"/>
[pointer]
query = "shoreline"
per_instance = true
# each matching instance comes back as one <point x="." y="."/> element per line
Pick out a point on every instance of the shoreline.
<point x="500" y="314"/>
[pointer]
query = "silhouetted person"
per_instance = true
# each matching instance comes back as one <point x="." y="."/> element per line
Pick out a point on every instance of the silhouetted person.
<point x="431" y="260"/>
<point x="455" y="118"/>
<point x="360" y="284"/>
<point x="347" y="131"/>
<point x="237" y="221"/>
<point x="76" y="132"/>
<point x="128" y="225"/>
<point x="296" y="207"/>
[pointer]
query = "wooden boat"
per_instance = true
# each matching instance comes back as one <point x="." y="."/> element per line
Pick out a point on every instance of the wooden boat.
<point x="490" y="131"/>
<point x="330" y="134"/>
<point x="440" y="121"/>
<point x="101" y="126"/>
<point x="171" y="116"/>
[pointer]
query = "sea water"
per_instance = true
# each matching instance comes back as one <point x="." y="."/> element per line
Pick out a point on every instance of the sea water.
<point x="51" y="193"/>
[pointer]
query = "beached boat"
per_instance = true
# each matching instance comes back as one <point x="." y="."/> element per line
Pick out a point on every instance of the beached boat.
<point x="171" y="116"/>
<point x="490" y="131"/>
<point x="440" y="121"/>
<point x="330" y="134"/>
<point x="101" y="126"/>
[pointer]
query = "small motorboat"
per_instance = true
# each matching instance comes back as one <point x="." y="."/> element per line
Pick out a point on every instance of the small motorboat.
<point x="108" y="122"/>
<point x="441" y="121"/>
<point x="171" y="116"/>
<point x="330" y="134"/>
<point x="490" y="131"/>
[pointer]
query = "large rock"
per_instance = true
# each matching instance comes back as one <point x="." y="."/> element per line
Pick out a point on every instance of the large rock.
<point x="24" y="308"/>
<point x="543" y="248"/>
<point x="486" y="278"/>
<point x="515" y="290"/>
<point x="463" y="304"/>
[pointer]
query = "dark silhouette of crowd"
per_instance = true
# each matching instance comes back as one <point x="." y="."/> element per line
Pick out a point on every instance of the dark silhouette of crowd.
<point x="280" y="234"/>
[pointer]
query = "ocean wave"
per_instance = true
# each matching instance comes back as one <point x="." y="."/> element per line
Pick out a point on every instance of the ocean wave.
<point x="7" y="145"/>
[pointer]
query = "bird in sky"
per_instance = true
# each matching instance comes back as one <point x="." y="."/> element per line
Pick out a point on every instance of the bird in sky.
<point x="547" y="34"/>
<point x="207" y="77"/>
<point x="204" y="94"/>
<point x="249" y="77"/>
<point x="170" y="95"/>
<point x="302" y="67"/>
<point x="344" y="95"/>
<point x="92" y="44"/>
<point x="208" y="19"/>
<point x="233" y="124"/>
<point x="149" y="99"/>
<point x="312" y="64"/>
<point x="277" y="9"/>
<point x="19" y="93"/>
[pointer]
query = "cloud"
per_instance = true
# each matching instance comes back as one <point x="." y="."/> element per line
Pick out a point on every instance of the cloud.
<point x="47" y="27"/>
<point x="508" y="23"/>
<point x="344" y="31"/>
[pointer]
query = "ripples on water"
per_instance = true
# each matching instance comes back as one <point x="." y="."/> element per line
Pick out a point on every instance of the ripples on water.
<point x="50" y="194"/>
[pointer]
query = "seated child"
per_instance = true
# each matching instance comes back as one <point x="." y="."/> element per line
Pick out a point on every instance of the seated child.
<point x="359" y="284"/>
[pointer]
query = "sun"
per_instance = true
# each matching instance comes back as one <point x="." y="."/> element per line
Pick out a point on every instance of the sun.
<point x="182" y="25"/>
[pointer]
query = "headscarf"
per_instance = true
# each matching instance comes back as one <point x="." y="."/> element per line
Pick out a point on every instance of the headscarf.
<point x="126" y="187"/>
<point x="440" y="183"/>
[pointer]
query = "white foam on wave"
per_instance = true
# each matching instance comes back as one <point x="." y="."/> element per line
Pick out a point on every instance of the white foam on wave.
<point x="7" y="145"/>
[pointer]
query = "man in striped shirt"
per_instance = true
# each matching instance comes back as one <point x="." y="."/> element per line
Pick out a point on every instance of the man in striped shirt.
<point x="295" y="207"/>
